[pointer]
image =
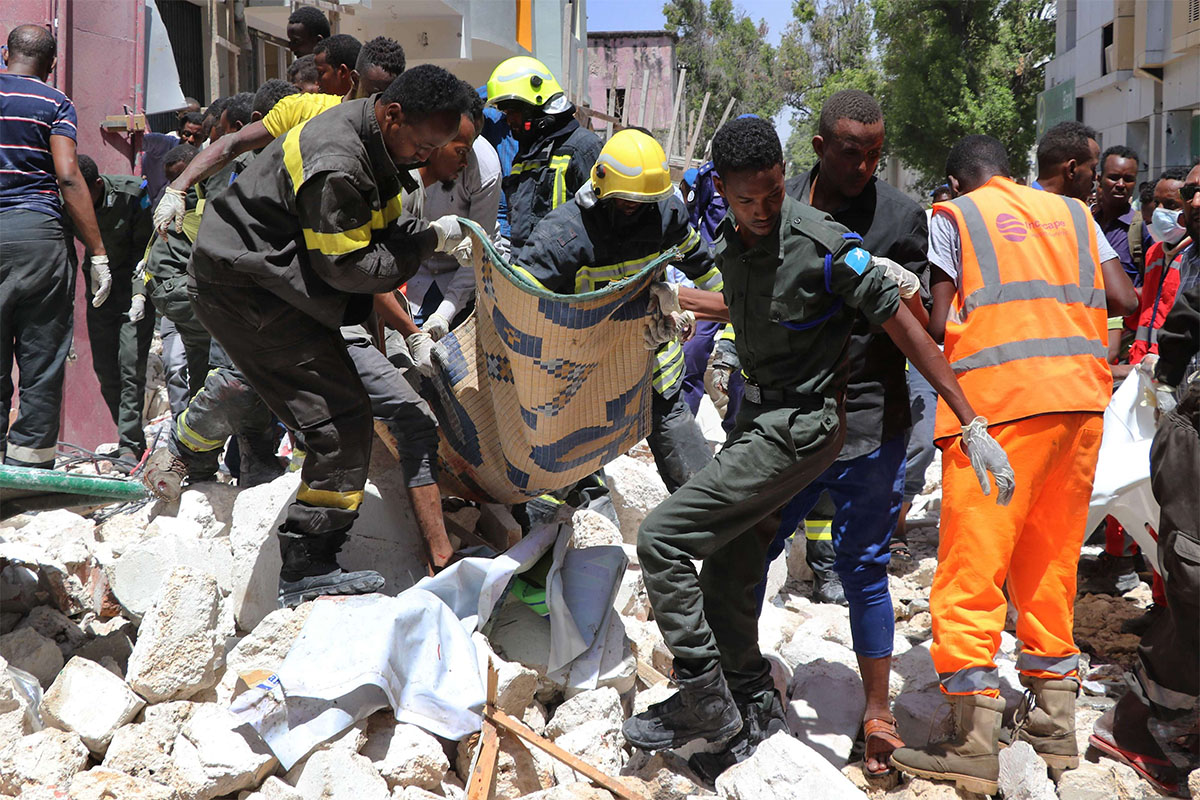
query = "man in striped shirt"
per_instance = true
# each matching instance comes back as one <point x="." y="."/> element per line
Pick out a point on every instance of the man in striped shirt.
<point x="37" y="282"/>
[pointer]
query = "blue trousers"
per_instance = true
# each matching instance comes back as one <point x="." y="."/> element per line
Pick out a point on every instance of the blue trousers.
<point x="920" y="441"/>
<point x="866" y="494"/>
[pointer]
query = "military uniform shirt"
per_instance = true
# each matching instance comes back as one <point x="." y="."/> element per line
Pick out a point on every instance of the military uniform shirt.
<point x="792" y="315"/>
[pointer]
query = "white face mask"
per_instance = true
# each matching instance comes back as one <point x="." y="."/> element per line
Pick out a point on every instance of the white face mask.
<point x="1165" y="227"/>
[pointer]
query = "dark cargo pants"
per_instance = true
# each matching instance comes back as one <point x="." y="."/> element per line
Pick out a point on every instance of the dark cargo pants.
<point x="712" y="618"/>
<point x="170" y="297"/>
<point x="119" y="352"/>
<point x="37" y="297"/>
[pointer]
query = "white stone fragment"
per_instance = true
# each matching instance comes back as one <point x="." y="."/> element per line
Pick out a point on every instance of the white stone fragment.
<point x="47" y="758"/>
<point x="329" y="774"/>
<point x="28" y="650"/>
<point x="404" y="754"/>
<point x="636" y="490"/>
<point x="782" y="768"/>
<point x="178" y="650"/>
<point x="90" y="701"/>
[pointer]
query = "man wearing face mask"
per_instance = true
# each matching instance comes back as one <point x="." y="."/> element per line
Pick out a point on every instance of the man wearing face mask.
<point x="294" y="250"/>
<point x="1166" y="265"/>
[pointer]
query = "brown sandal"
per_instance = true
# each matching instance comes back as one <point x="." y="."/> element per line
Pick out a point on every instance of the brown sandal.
<point x="884" y="729"/>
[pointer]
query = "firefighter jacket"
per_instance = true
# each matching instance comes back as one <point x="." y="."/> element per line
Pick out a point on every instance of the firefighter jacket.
<point x="545" y="174"/>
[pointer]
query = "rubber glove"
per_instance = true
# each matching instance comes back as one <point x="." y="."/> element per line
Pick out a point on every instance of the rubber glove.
<point x="137" y="308"/>
<point x="423" y="351"/>
<point x="1158" y="395"/>
<point x="986" y="456"/>
<point x="101" y="280"/>
<point x="436" y="326"/>
<point x="908" y="282"/>
<point x="449" y="232"/>
<point x="170" y="210"/>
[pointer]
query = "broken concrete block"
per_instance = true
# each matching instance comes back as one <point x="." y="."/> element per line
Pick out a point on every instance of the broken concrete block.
<point x="101" y="783"/>
<point x="826" y="709"/>
<point x="109" y="639"/>
<point x="597" y="705"/>
<point x="782" y="768"/>
<point x="55" y="625"/>
<point x="655" y="694"/>
<point x="414" y="793"/>
<point x="264" y="648"/>
<point x="49" y="757"/>
<point x="515" y="683"/>
<point x="257" y="513"/>
<point x="209" y="506"/>
<point x="636" y="490"/>
<point x="922" y="576"/>
<point x="666" y="775"/>
<point x="571" y="791"/>
<point x="1104" y="781"/>
<point x="216" y="754"/>
<point x="593" y="529"/>
<point x="337" y="773"/>
<point x="273" y="788"/>
<point x="178" y="650"/>
<point x="404" y="754"/>
<point x="143" y="750"/>
<point x="1023" y="774"/>
<point x="597" y="742"/>
<point x="28" y="650"/>
<point x="90" y="701"/>
<point x="137" y="577"/>
<point x="631" y="599"/>
<point x="57" y="532"/>
<point x="497" y="524"/>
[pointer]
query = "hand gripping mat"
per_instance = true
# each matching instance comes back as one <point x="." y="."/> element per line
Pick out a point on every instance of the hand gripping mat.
<point x="537" y="389"/>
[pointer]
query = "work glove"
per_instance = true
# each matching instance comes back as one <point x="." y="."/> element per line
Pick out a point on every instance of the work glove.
<point x="907" y="282"/>
<point x="986" y="456"/>
<point x="436" y="326"/>
<point x="1158" y="395"/>
<point x="170" y="210"/>
<point x="137" y="308"/>
<point x="101" y="280"/>
<point x="424" y="352"/>
<point x="664" y="297"/>
<point x="725" y="361"/>
<point x="449" y="233"/>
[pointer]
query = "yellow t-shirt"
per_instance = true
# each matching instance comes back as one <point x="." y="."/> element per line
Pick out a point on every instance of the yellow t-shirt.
<point x="296" y="108"/>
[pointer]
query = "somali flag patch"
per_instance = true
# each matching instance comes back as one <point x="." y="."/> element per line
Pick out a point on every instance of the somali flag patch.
<point x="857" y="259"/>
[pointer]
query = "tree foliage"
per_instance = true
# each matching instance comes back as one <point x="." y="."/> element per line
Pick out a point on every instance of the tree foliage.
<point x="727" y="54"/>
<point x="953" y="68"/>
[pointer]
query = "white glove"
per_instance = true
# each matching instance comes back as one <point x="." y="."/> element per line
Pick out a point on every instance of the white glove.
<point x="720" y="377"/>
<point x="662" y="329"/>
<point x="986" y="456"/>
<point x="101" y="280"/>
<point x="170" y="210"/>
<point x="462" y="253"/>
<point x="137" y="308"/>
<point x="436" y="326"/>
<point x="1158" y="395"/>
<point x="449" y="233"/>
<point x="908" y="282"/>
<point x="664" y="297"/>
<point x="423" y="351"/>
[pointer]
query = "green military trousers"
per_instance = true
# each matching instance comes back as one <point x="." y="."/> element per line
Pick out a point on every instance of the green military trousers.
<point x="170" y="297"/>
<point x="119" y="352"/>
<point x="772" y="454"/>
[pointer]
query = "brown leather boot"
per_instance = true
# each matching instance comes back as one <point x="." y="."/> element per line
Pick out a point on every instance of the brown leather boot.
<point x="970" y="757"/>
<point x="1048" y="721"/>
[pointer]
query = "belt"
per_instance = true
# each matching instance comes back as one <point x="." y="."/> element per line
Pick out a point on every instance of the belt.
<point x="781" y="397"/>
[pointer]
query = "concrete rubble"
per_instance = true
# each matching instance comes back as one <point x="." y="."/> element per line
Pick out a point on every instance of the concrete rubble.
<point x="125" y="637"/>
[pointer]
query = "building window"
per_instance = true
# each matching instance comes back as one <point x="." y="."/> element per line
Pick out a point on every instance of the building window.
<point x="1107" y="50"/>
<point x="617" y="102"/>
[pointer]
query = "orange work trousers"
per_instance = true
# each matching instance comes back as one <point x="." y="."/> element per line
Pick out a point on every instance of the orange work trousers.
<point x="1033" y="543"/>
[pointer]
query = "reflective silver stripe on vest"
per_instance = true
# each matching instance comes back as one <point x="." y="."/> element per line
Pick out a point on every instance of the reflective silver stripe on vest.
<point x="1083" y="224"/>
<point x="1059" y="665"/>
<point x="981" y="240"/>
<point x="971" y="680"/>
<point x="1029" y="348"/>
<point x="1146" y="334"/>
<point x="1034" y="290"/>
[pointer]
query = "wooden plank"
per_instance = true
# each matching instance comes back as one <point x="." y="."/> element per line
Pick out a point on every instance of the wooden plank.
<point x="565" y="78"/>
<point x="725" y="116"/>
<point x="649" y="675"/>
<point x="645" y="87"/>
<point x="675" y="112"/>
<point x="687" y="158"/>
<point x="580" y="77"/>
<point x="609" y="102"/>
<point x="389" y="441"/>
<point x="594" y="775"/>
<point x="484" y="774"/>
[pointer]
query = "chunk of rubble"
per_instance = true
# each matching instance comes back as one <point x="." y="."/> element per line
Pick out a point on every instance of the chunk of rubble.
<point x="516" y="684"/>
<point x="55" y="625"/>
<point x="209" y="506"/>
<point x="571" y="791"/>
<point x="90" y="701"/>
<point x="593" y="529"/>
<point x="338" y="773"/>
<point x="782" y="768"/>
<point x="273" y="788"/>
<point x="178" y="650"/>
<point x="636" y="489"/>
<point x="28" y="650"/>
<point x="1023" y="774"/>
<point x="138" y="575"/>
<point x="216" y="754"/>
<point x="101" y="783"/>
<point x="263" y="649"/>
<point x="597" y="705"/>
<point x="46" y="758"/>
<point x="404" y="754"/>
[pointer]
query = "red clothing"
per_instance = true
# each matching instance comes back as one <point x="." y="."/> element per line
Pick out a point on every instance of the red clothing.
<point x="1158" y="295"/>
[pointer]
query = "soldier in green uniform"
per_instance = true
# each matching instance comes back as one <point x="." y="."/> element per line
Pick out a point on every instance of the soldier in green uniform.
<point x="120" y="345"/>
<point x="793" y="281"/>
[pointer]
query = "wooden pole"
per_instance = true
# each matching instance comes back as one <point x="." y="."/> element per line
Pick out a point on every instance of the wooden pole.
<point x="565" y="78"/>
<point x="687" y="159"/>
<point x="654" y="107"/>
<point x="645" y="86"/>
<point x="581" y="82"/>
<point x="608" y="107"/>
<point x="675" y="111"/>
<point x="728" y="108"/>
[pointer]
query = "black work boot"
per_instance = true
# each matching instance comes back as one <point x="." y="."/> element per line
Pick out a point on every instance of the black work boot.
<point x="1108" y="574"/>
<point x="762" y="717"/>
<point x="310" y="569"/>
<point x="703" y="708"/>
<point x="827" y="586"/>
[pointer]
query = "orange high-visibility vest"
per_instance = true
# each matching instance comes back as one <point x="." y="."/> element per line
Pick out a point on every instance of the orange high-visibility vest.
<point x="1028" y="331"/>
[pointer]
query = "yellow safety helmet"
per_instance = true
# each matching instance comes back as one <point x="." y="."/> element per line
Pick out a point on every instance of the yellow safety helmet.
<point x="528" y="80"/>
<point x="632" y="166"/>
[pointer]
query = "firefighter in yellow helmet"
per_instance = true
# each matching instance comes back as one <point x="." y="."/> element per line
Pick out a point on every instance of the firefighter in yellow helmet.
<point x="623" y="218"/>
<point x="556" y="154"/>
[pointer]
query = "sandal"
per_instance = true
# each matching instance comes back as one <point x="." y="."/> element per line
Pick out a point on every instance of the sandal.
<point x="899" y="549"/>
<point x="884" y="730"/>
<point x="1158" y="771"/>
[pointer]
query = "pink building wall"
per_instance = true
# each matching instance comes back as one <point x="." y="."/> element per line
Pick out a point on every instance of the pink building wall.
<point x="620" y="60"/>
<point x="101" y="46"/>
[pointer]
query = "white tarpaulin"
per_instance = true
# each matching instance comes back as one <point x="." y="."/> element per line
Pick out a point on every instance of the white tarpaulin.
<point x="1122" y="487"/>
<point x="414" y="653"/>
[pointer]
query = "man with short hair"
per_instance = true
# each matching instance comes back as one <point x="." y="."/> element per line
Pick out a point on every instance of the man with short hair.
<point x="119" y="344"/>
<point x="294" y="250"/>
<point x="39" y="177"/>
<point x="1023" y="296"/>
<point x="1114" y="212"/>
<point x="191" y="126"/>
<point x="268" y="95"/>
<point x="335" y="58"/>
<point x="306" y="27"/>
<point x="302" y="73"/>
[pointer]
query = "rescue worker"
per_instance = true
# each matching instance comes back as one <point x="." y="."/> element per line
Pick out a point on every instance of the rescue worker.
<point x="793" y="280"/>
<point x="1021" y="295"/>
<point x="306" y="27"/>
<point x="1152" y="728"/>
<point x="293" y="251"/>
<point x="556" y="154"/>
<point x="39" y="180"/>
<point x="334" y="59"/>
<point x="119" y="344"/>
<point x="627" y="215"/>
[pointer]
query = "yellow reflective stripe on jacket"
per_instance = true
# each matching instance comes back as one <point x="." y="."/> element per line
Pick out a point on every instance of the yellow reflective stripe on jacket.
<point x="589" y="279"/>
<point x="192" y="440"/>
<point x="527" y="275"/>
<point x="726" y="333"/>
<point x="668" y="369"/>
<point x="329" y="499"/>
<point x="559" y="164"/>
<point x="341" y="242"/>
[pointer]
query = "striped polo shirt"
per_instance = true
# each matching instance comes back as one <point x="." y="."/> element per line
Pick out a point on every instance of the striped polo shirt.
<point x="30" y="113"/>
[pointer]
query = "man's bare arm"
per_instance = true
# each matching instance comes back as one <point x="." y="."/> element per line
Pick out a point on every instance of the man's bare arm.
<point x="76" y="196"/>
<point x="1118" y="289"/>
<point x="393" y="313"/>
<point x="705" y="305"/>
<point x="214" y="158"/>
